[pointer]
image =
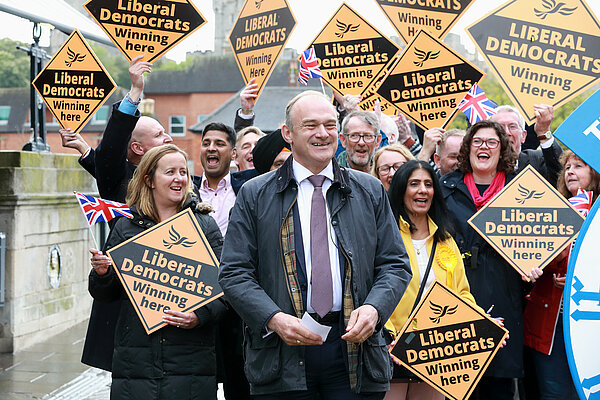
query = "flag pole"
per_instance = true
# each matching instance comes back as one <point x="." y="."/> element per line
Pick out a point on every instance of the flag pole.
<point x="86" y="222"/>
<point x="322" y="87"/>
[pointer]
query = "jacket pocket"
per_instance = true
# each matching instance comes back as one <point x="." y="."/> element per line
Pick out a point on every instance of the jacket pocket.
<point x="263" y="361"/>
<point x="376" y="358"/>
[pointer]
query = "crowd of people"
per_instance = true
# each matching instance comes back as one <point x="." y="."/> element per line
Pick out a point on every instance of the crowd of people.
<point x="339" y="215"/>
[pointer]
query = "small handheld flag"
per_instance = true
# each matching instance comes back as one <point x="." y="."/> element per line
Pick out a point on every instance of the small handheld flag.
<point x="99" y="210"/>
<point x="582" y="201"/>
<point x="309" y="66"/>
<point x="476" y="105"/>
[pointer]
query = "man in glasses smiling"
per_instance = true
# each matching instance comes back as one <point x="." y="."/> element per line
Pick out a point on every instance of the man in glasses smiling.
<point x="360" y="137"/>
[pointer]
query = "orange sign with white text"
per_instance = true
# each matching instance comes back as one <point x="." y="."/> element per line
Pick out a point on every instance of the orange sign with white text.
<point x="74" y="84"/>
<point x="448" y="343"/>
<point x="170" y="266"/>
<point x="149" y="27"/>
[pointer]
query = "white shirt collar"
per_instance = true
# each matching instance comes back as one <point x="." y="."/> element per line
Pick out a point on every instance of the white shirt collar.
<point x="301" y="172"/>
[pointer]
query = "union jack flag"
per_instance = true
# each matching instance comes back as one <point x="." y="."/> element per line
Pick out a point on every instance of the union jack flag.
<point x="309" y="66"/>
<point x="476" y="105"/>
<point x="582" y="201"/>
<point x="99" y="210"/>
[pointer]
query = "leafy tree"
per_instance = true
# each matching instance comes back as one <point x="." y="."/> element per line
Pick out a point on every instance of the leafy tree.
<point x="116" y="65"/>
<point x="14" y="64"/>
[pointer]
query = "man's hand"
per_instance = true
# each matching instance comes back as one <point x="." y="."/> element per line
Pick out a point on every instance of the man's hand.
<point x="291" y="331"/>
<point x="100" y="262"/>
<point x="431" y="138"/>
<point x="361" y="324"/>
<point x="137" y="67"/>
<point x="350" y="102"/>
<point x="73" y="140"/>
<point x="248" y="97"/>
<point x="544" y="114"/>
<point x="500" y="321"/>
<point x="403" y="125"/>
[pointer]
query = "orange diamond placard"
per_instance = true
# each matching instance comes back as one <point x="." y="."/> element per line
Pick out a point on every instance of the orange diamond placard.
<point x="74" y="84"/>
<point x="429" y="81"/>
<point x="448" y="343"/>
<point x="438" y="17"/>
<point x="352" y="52"/>
<point x="169" y="266"/>
<point x="150" y="27"/>
<point x="529" y="222"/>
<point x="542" y="51"/>
<point x="259" y="36"/>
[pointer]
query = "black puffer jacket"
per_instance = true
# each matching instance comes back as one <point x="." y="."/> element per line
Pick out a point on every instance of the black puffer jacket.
<point x="170" y="363"/>
<point x="493" y="281"/>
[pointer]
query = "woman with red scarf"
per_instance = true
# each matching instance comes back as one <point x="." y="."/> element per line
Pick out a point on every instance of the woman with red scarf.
<point x="486" y="163"/>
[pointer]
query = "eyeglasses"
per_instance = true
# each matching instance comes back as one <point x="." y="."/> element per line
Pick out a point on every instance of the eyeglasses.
<point x="385" y="169"/>
<point x="513" y="128"/>
<point x="355" y="137"/>
<point x="491" y="143"/>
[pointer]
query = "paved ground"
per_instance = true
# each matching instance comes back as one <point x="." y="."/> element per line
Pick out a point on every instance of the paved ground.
<point x="52" y="371"/>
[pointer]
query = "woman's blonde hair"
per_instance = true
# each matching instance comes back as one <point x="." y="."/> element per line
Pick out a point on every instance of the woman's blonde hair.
<point x="398" y="148"/>
<point x="139" y="191"/>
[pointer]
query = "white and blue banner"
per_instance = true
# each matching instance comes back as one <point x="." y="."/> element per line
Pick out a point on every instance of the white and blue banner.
<point x="581" y="307"/>
<point x="580" y="132"/>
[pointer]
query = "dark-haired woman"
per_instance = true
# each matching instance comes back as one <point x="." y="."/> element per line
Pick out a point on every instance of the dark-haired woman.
<point x="419" y="207"/>
<point x="486" y="162"/>
<point x="177" y="361"/>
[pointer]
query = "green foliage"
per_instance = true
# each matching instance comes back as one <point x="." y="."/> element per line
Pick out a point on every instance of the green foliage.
<point x="116" y="65"/>
<point x="14" y="64"/>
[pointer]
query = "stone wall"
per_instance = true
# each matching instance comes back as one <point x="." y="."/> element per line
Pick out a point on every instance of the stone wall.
<point x="37" y="211"/>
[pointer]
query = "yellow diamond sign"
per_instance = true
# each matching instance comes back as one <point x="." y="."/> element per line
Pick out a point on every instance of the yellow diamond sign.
<point x="529" y="222"/>
<point x="150" y="27"/>
<point x="170" y="266"/>
<point x="437" y="16"/>
<point x="542" y="51"/>
<point x="74" y="84"/>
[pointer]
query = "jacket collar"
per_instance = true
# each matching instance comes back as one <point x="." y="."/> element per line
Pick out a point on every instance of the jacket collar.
<point x="285" y="175"/>
<point x="405" y="227"/>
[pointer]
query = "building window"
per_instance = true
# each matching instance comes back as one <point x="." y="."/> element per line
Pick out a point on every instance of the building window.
<point x="201" y="117"/>
<point x="177" y="125"/>
<point x="101" y="116"/>
<point x="4" y="114"/>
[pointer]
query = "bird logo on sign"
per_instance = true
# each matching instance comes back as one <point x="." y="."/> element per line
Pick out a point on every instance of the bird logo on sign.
<point x="552" y="7"/>
<point x="177" y="240"/>
<point x="527" y="194"/>
<point x="345" y="28"/>
<point x="441" y="311"/>
<point x="424" y="56"/>
<point x="73" y="57"/>
<point x="258" y="3"/>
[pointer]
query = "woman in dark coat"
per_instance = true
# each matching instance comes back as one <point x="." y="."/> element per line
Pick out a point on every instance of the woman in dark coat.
<point x="177" y="361"/>
<point x="486" y="164"/>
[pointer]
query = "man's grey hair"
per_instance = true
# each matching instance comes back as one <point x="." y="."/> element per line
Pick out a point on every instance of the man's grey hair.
<point x="439" y="148"/>
<point x="389" y="126"/>
<point x="368" y="117"/>
<point x="288" y="109"/>
<point x="507" y="108"/>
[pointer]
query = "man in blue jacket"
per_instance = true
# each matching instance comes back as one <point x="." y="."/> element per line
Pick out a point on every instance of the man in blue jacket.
<point x="312" y="237"/>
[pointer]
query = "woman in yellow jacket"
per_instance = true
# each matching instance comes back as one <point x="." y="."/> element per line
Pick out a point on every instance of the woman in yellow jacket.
<point x="417" y="203"/>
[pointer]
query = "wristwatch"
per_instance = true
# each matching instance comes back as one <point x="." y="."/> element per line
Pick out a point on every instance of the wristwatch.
<point x="545" y="136"/>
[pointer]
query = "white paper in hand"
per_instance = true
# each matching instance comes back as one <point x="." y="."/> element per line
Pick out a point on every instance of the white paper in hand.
<point x="309" y="323"/>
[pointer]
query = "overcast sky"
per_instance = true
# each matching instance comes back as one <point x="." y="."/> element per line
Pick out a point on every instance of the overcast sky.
<point x="310" y="15"/>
